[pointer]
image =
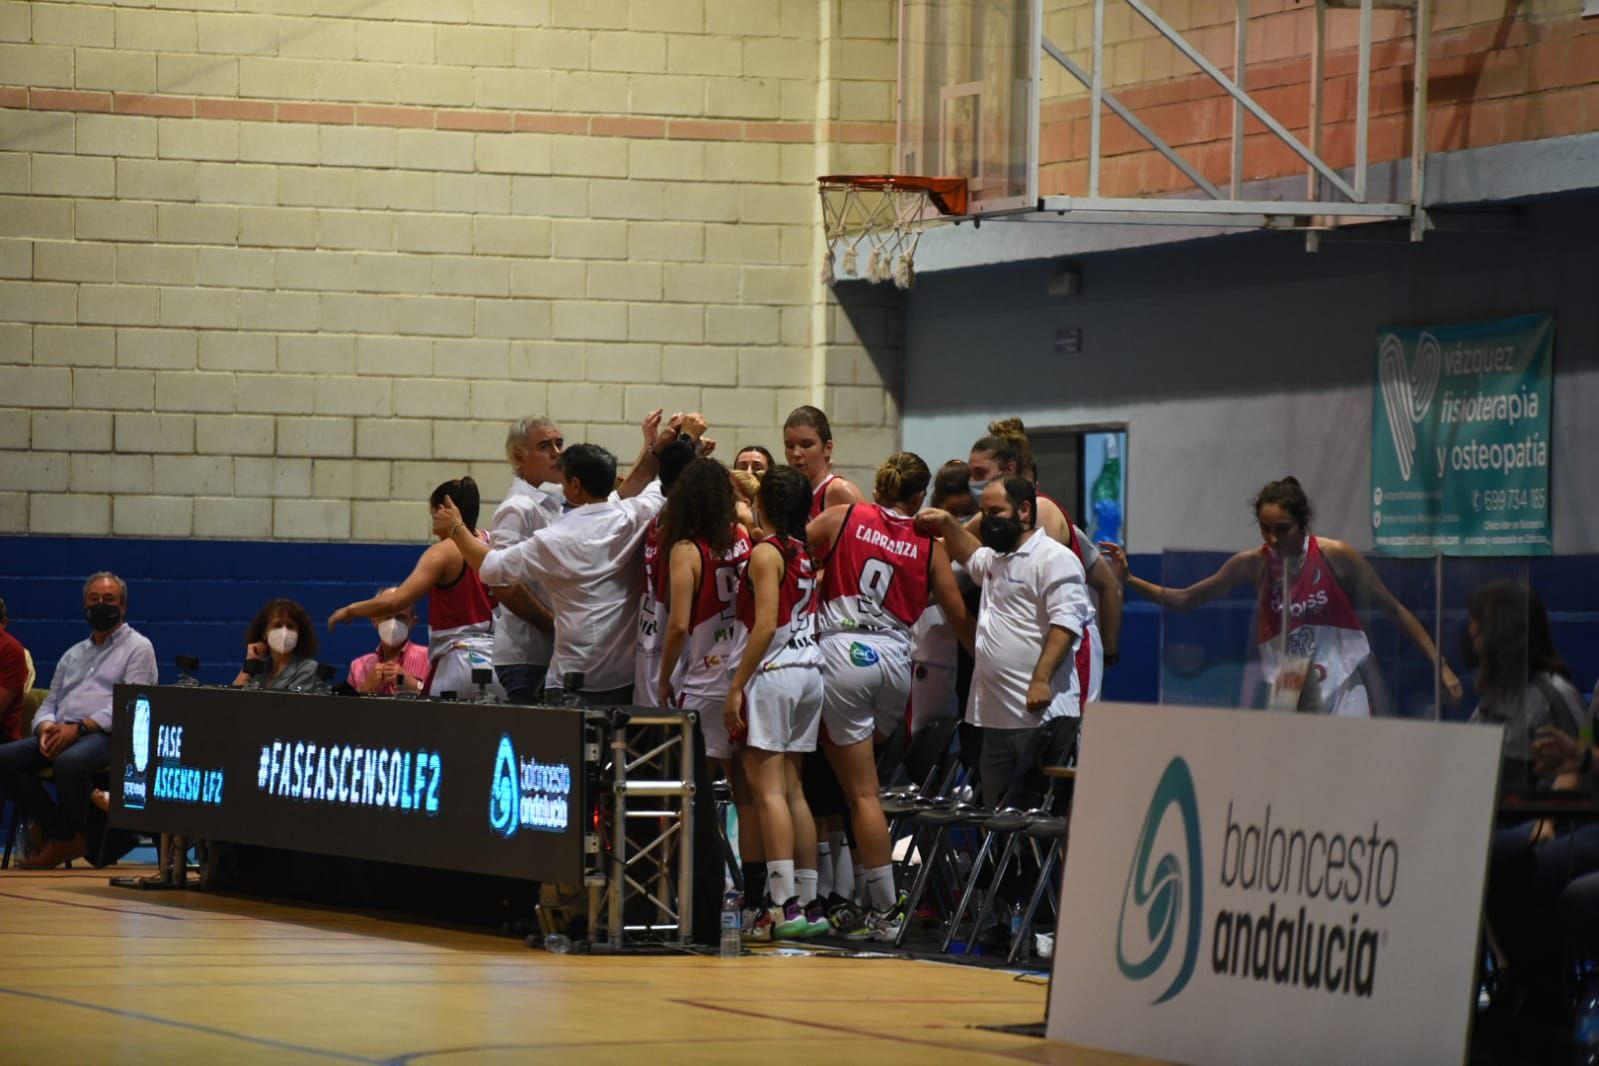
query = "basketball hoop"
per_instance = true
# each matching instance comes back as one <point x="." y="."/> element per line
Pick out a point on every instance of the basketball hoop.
<point x="885" y="214"/>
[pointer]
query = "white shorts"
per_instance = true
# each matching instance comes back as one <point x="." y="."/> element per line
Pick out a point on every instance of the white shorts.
<point x="782" y="709"/>
<point x="713" y="727"/>
<point x="453" y="672"/>
<point x="646" y="677"/>
<point x="933" y="694"/>
<point x="867" y="681"/>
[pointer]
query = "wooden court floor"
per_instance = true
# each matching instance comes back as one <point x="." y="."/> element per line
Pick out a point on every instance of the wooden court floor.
<point x="98" y="974"/>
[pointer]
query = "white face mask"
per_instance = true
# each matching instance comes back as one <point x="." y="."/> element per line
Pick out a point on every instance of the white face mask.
<point x="282" y="639"/>
<point x="977" y="488"/>
<point x="392" y="632"/>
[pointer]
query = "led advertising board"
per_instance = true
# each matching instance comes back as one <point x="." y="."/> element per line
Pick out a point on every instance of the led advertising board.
<point x="458" y="786"/>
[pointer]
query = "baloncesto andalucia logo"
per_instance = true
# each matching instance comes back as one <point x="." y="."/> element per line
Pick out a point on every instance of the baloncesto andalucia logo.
<point x="1164" y="894"/>
<point x="1307" y="932"/>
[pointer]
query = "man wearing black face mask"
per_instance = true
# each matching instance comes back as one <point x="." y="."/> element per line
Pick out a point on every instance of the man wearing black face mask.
<point x="1034" y="607"/>
<point x="72" y="730"/>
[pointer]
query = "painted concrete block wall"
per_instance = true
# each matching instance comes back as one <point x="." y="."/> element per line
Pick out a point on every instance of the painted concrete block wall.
<point x="273" y="270"/>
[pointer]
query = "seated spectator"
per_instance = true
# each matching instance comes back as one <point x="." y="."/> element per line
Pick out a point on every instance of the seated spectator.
<point x="398" y="664"/>
<point x="15" y="677"/>
<point x="280" y="636"/>
<point x="1522" y="682"/>
<point x="72" y="730"/>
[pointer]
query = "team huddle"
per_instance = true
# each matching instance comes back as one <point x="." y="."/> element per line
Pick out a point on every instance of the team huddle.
<point x="803" y="623"/>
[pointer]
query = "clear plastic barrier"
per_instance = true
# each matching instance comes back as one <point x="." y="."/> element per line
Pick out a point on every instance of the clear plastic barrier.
<point x="966" y="96"/>
<point x="1354" y="636"/>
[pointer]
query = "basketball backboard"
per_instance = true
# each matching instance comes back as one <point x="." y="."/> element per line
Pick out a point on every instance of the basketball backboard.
<point x="968" y="104"/>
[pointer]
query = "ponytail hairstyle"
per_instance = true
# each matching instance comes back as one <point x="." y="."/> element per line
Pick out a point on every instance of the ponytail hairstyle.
<point x="806" y="415"/>
<point x="463" y="492"/>
<point x="902" y="479"/>
<point x="700" y="507"/>
<point x="785" y="498"/>
<point x="1287" y="494"/>
<point x="1008" y="445"/>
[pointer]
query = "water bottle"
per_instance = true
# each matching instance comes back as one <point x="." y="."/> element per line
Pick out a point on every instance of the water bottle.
<point x="732" y="925"/>
<point x="1015" y="921"/>
<point x="1587" y="1034"/>
<point x="557" y="943"/>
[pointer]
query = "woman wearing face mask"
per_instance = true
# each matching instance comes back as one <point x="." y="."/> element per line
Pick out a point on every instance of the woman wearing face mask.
<point x="281" y="635"/>
<point x="1323" y="626"/>
<point x="398" y="665"/>
<point x="808" y="447"/>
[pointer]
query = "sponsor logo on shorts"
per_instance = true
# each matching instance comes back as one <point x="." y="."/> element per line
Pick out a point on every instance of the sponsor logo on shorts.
<point x="862" y="655"/>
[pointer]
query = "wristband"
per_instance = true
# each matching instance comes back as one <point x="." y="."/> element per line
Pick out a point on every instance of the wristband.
<point x="458" y="525"/>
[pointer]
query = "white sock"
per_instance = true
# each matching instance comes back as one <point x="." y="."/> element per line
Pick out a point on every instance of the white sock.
<point x="780" y="880"/>
<point x="843" y="868"/>
<point x="862" y="876"/>
<point x="824" y="866"/>
<point x="880" y="883"/>
<point x="805" y="886"/>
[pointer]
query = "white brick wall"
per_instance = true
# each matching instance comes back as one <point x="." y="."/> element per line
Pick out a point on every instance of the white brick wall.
<point x="233" y="315"/>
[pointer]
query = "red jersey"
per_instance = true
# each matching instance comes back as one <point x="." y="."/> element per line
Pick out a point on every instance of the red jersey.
<point x="1322" y="626"/>
<point x="715" y="640"/>
<point x="464" y="603"/>
<point x="651" y="613"/>
<point x="819" y="495"/>
<point x="794" y="643"/>
<point x="878" y="575"/>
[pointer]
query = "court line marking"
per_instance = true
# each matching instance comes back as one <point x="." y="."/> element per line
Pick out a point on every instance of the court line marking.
<point x="208" y="1030"/>
<point x="94" y="907"/>
<point x="866" y="1034"/>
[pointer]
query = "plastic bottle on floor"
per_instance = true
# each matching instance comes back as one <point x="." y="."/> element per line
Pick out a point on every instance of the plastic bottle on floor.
<point x="732" y="922"/>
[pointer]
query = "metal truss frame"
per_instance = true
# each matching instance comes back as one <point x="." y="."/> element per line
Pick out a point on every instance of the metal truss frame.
<point x="1330" y="197"/>
<point x="649" y="866"/>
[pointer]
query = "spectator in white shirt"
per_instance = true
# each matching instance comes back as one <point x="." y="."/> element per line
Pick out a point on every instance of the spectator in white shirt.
<point x="1033" y="610"/>
<point x="589" y="562"/>
<point x="523" y="623"/>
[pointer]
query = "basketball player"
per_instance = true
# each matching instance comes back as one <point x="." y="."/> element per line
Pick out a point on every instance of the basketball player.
<point x="879" y="574"/>
<point x="1322" y="626"/>
<point x="774" y="701"/>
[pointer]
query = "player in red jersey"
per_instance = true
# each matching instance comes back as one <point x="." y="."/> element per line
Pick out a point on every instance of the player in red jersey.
<point x="774" y="701"/>
<point x="673" y="459"/>
<point x="704" y="552"/>
<point x="460" y="609"/>
<point x="880" y="573"/>
<point x="1323" y="627"/>
<point x="808" y="447"/>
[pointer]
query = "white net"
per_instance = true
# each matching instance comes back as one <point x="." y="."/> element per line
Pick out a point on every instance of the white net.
<point x="883" y="221"/>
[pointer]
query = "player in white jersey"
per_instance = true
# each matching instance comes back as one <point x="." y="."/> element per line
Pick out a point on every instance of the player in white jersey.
<point x="1323" y="632"/>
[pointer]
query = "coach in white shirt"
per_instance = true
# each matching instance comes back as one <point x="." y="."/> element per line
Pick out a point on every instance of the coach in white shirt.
<point x="523" y="623"/>
<point x="1034" y="607"/>
<point x="589" y="562"/>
